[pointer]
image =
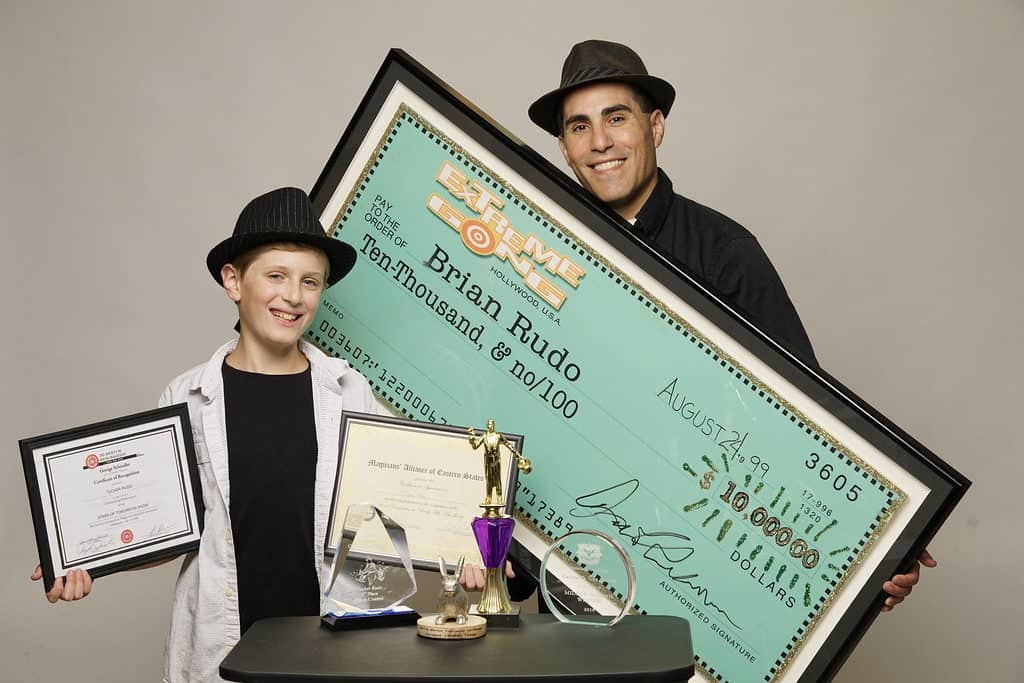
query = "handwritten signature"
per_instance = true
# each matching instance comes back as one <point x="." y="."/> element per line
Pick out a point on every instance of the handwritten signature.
<point x="159" y="529"/>
<point x="666" y="549"/>
<point x="93" y="544"/>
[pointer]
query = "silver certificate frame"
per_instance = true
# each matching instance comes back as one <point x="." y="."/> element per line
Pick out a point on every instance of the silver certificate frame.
<point x="426" y="477"/>
<point x="115" y="494"/>
<point x="758" y="497"/>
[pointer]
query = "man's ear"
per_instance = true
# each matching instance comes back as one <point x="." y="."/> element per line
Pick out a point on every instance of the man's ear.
<point x="232" y="279"/>
<point x="657" y="127"/>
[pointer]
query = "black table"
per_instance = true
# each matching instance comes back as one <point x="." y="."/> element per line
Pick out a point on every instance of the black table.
<point x="294" y="649"/>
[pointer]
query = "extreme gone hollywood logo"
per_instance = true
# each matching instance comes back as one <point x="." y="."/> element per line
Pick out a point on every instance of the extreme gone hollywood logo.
<point x="492" y="234"/>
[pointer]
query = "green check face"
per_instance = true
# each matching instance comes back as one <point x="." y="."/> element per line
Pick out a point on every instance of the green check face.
<point x="469" y="301"/>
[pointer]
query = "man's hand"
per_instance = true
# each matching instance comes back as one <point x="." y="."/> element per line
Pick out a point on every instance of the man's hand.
<point x="75" y="586"/>
<point x="472" y="578"/>
<point x="899" y="586"/>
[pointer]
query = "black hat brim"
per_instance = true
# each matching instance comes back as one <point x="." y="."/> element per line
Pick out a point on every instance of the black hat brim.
<point x="341" y="256"/>
<point x="544" y="112"/>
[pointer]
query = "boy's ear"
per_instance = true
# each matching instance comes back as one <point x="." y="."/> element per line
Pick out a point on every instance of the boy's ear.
<point x="231" y="278"/>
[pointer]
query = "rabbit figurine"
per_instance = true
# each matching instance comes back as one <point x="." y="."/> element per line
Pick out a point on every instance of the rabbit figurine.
<point x="452" y="602"/>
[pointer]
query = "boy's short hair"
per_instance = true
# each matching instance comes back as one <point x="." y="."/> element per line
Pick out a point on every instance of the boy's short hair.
<point x="246" y="258"/>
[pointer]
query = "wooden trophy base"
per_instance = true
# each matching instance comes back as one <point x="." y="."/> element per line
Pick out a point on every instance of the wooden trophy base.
<point x="475" y="627"/>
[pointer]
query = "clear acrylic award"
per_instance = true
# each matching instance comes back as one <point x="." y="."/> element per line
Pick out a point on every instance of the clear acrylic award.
<point x="366" y="587"/>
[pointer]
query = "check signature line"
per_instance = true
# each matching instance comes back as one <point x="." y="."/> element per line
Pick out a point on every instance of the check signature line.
<point x="666" y="549"/>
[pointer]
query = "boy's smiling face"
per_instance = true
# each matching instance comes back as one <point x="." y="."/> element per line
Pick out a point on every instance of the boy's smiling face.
<point x="277" y="293"/>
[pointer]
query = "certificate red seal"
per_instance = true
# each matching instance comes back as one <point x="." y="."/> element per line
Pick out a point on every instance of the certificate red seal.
<point x="92" y="461"/>
<point x="127" y="536"/>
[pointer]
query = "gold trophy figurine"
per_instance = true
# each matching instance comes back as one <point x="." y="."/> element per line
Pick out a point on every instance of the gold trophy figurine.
<point x="493" y="531"/>
<point x="492" y="441"/>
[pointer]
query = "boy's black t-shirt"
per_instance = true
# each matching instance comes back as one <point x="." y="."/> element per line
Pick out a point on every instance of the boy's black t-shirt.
<point x="271" y="437"/>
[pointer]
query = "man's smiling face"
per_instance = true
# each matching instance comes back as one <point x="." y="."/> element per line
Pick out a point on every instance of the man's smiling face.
<point x="610" y="144"/>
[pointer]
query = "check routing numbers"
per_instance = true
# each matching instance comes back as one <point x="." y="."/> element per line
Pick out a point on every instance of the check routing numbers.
<point x="469" y="302"/>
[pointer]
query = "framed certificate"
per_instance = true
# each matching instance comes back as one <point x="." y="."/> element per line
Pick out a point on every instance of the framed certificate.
<point x="426" y="477"/>
<point x="758" y="497"/>
<point x="114" y="495"/>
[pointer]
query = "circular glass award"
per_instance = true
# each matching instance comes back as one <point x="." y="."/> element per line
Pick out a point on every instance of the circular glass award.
<point x="604" y="562"/>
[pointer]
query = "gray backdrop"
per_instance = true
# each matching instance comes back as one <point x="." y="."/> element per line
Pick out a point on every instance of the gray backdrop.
<point x="874" y="148"/>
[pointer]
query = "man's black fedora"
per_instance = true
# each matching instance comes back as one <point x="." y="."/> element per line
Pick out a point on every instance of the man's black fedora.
<point x="282" y="215"/>
<point x="595" y="61"/>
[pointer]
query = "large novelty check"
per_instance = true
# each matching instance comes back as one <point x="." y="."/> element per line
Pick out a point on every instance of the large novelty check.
<point x="487" y="287"/>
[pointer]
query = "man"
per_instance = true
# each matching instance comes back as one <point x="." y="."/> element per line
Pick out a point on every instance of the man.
<point x="609" y="116"/>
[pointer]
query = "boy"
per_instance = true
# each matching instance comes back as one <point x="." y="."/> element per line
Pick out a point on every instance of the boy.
<point x="265" y="412"/>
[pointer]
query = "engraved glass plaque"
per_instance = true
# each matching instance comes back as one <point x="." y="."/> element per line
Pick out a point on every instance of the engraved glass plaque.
<point x="361" y="582"/>
<point x="604" y="561"/>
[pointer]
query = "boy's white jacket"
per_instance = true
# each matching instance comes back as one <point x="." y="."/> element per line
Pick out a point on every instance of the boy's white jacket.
<point x="204" y="618"/>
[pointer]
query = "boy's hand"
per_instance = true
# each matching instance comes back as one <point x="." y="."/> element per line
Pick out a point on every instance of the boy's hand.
<point x="472" y="578"/>
<point x="75" y="586"/>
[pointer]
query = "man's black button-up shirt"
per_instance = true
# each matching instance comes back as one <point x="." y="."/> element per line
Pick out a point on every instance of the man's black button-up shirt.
<point x="723" y="254"/>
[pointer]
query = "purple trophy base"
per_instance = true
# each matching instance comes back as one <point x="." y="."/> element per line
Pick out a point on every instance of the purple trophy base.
<point x="493" y="537"/>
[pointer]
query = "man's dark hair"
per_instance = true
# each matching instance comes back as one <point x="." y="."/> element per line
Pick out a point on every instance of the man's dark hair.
<point x="643" y="100"/>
